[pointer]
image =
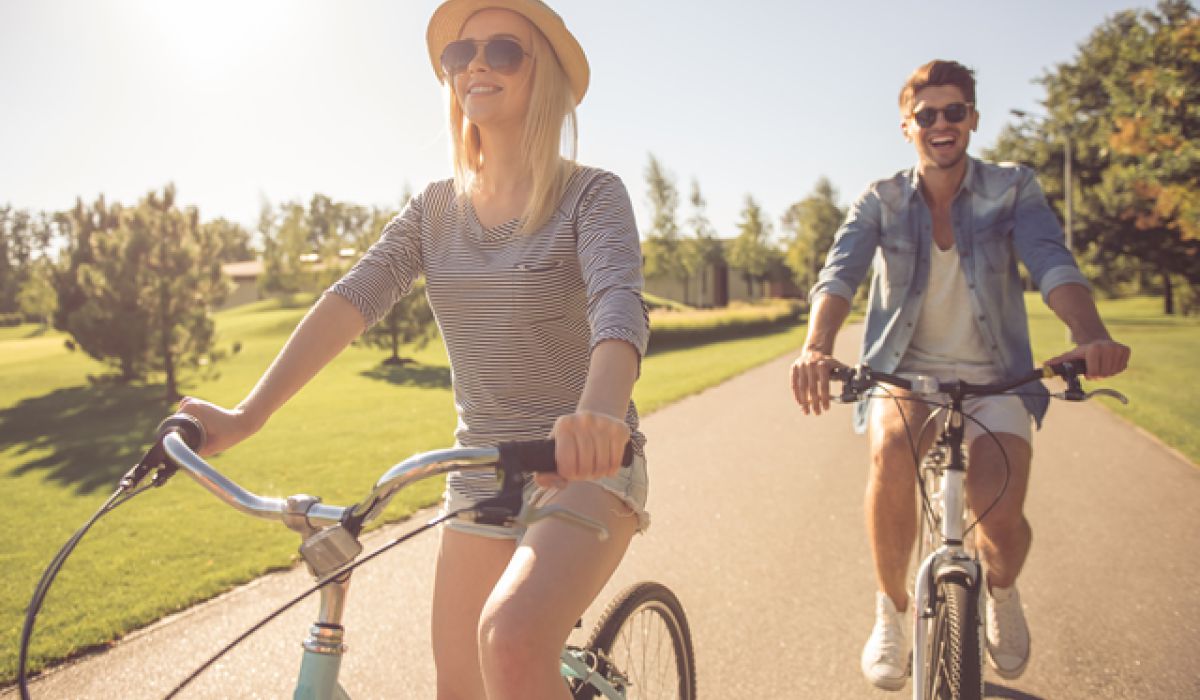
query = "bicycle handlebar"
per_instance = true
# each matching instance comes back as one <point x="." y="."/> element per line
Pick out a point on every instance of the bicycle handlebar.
<point x="856" y="380"/>
<point x="180" y="440"/>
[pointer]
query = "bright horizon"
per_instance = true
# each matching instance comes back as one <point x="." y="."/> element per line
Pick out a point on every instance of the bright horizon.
<point x="235" y="102"/>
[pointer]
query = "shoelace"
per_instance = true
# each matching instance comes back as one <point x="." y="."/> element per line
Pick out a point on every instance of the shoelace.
<point x="1006" y="616"/>
<point x="891" y="641"/>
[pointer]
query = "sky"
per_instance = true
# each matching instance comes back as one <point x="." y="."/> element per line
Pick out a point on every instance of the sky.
<point x="244" y="101"/>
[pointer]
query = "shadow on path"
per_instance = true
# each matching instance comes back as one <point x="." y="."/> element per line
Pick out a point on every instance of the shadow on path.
<point x="86" y="436"/>
<point x="991" y="690"/>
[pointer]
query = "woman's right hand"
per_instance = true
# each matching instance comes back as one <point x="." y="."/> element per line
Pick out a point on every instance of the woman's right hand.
<point x="223" y="427"/>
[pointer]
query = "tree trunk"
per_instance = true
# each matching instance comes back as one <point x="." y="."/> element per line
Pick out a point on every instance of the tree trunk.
<point x="395" y="347"/>
<point x="127" y="372"/>
<point x="1168" y="295"/>
<point x="165" y="333"/>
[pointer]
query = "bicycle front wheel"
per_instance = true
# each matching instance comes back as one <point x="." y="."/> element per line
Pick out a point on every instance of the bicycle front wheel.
<point x="644" y="645"/>
<point x="954" y="656"/>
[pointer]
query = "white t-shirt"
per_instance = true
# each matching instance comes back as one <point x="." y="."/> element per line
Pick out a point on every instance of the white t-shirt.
<point x="946" y="332"/>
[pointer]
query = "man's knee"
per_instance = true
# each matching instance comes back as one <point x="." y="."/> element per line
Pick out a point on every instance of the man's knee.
<point x="892" y="457"/>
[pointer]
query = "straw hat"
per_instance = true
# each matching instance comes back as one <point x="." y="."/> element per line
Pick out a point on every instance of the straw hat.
<point x="448" y="20"/>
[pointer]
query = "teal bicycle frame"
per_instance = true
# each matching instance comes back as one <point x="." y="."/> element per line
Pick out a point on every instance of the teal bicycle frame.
<point x="328" y="546"/>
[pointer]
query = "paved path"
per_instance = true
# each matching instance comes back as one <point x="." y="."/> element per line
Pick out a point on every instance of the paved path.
<point x="758" y="528"/>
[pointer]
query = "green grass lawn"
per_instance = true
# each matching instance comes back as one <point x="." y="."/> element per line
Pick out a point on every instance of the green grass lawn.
<point x="1163" y="360"/>
<point x="64" y="442"/>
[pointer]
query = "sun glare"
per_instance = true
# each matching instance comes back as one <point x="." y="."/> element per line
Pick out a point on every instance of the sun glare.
<point x="209" y="39"/>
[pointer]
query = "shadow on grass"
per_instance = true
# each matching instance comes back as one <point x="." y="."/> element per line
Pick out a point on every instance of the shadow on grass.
<point x="410" y="374"/>
<point x="991" y="690"/>
<point x="82" y="436"/>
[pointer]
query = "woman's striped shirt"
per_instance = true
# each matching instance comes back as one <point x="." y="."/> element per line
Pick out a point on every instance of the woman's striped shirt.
<point x="519" y="313"/>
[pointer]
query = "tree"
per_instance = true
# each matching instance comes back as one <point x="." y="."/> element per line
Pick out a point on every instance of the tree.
<point x="702" y="251"/>
<point x="309" y="246"/>
<point x="661" y="249"/>
<point x="13" y="225"/>
<point x="751" y="252"/>
<point x="25" y="239"/>
<point x="81" y="224"/>
<point x="410" y="320"/>
<point x="153" y="276"/>
<point x="235" y="239"/>
<point x="1127" y="102"/>
<point x="37" y="299"/>
<point x="811" y="224"/>
<point x="286" y="242"/>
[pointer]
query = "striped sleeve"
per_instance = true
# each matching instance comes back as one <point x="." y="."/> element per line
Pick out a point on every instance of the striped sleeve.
<point x="388" y="269"/>
<point x="610" y="258"/>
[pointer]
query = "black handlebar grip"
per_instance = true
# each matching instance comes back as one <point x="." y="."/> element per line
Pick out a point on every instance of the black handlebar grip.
<point x="189" y="428"/>
<point x="1070" y="368"/>
<point x="192" y="431"/>
<point x="538" y="455"/>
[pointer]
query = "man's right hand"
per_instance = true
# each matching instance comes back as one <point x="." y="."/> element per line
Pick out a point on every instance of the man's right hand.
<point x="810" y="380"/>
<point x="223" y="427"/>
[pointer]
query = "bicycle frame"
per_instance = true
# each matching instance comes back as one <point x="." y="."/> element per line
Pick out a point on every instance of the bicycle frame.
<point x="573" y="665"/>
<point x="323" y="650"/>
<point x="951" y="556"/>
<point x="328" y="546"/>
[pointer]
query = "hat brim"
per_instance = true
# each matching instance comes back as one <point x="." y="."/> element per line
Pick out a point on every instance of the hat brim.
<point x="448" y="20"/>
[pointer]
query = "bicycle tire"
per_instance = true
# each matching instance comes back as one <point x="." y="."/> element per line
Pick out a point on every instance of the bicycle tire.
<point x="642" y="618"/>
<point x="955" y="654"/>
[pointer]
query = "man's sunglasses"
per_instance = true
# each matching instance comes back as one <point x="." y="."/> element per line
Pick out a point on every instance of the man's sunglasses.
<point x="955" y="112"/>
<point x="503" y="55"/>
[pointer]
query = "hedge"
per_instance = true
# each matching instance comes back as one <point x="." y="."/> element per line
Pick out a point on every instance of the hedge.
<point x="677" y="329"/>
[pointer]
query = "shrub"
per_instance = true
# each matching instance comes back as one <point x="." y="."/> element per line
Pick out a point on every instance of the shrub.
<point x="676" y="329"/>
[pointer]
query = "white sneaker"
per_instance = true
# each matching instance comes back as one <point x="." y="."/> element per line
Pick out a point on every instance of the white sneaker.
<point x="1007" y="633"/>
<point x="885" y="657"/>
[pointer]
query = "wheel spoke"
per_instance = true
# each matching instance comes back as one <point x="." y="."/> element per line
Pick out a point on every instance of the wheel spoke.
<point x="643" y="636"/>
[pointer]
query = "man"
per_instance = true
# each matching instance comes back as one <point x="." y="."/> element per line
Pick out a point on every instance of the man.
<point x="946" y="300"/>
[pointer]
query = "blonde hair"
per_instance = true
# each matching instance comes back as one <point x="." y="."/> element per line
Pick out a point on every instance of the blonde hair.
<point x="549" y="123"/>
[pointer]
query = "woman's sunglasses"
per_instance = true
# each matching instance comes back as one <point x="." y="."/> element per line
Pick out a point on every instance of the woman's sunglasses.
<point x="503" y="55"/>
<point x="955" y="112"/>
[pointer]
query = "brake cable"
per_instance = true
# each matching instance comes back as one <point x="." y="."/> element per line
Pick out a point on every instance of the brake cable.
<point x="127" y="488"/>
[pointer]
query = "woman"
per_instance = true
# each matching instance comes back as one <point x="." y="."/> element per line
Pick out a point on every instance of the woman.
<point x="533" y="270"/>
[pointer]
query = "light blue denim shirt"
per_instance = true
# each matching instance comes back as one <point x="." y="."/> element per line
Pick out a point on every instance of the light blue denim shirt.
<point x="999" y="215"/>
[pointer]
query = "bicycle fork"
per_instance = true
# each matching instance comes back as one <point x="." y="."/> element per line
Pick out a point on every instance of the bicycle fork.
<point x="949" y="559"/>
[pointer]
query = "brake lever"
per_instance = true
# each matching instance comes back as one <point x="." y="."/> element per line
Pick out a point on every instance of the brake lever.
<point x="1084" y="396"/>
<point x="532" y="514"/>
<point x="1111" y="393"/>
<point x="850" y="393"/>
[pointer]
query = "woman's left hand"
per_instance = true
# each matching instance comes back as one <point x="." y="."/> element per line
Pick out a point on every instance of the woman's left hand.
<point x="587" y="445"/>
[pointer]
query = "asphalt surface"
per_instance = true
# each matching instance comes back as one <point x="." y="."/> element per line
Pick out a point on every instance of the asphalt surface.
<point x="757" y="526"/>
